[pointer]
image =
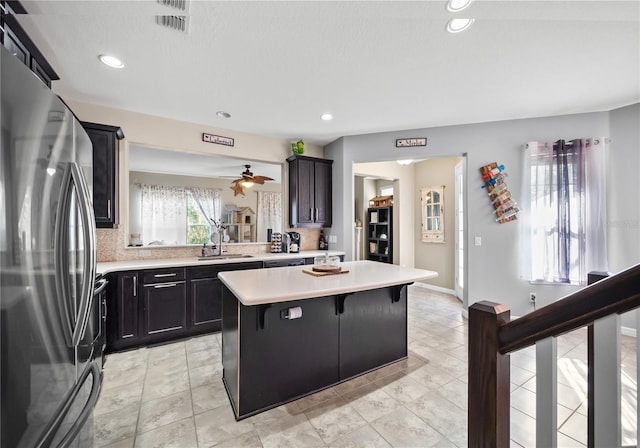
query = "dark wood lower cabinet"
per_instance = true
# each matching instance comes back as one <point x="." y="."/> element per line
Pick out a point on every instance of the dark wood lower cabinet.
<point x="165" y="310"/>
<point x="373" y="330"/>
<point x="206" y="304"/>
<point x="269" y="360"/>
<point x="158" y="305"/>
<point x="288" y="358"/>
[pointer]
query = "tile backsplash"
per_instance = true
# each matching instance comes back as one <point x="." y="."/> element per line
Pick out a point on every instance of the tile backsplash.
<point x="111" y="247"/>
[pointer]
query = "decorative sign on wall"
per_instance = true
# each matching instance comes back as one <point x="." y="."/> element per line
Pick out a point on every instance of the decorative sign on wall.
<point x="408" y="142"/>
<point x="217" y="139"/>
<point x="504" y="207"/>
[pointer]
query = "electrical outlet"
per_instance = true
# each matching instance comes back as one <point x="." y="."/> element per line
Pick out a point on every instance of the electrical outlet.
<point x="532" y="297"/>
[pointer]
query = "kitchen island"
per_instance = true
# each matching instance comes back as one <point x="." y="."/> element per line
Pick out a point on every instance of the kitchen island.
<point x="287" y="334"/>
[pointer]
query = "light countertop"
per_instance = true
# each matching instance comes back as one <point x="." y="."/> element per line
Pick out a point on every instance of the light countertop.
<point x="154" y="263"/>
<point x="262" y="286"/>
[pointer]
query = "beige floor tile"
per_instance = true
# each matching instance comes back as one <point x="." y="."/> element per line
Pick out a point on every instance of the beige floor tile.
<point x="177" y="363"/>
<point x="127" y="443"/>
<point x="161" y="385"/>
<point x="166" y="351"/>
<point x="402" y="387"/>
<point x="523" y="428"/>
<point x="209" y="396"/>
<point x="333" y="419"/>
<point x="431" y="376"/>
<point x="286" y="426"/>
<point x="121" y="397"/>
<point x="206" y="357"/>
<point x="118" y="378"/>
<point x="371" y="402"/>
<point x="248" y="440"/>
<point x="405" y="429"/>
<point x="180" y="434"/>
<point x="219" y="425"/>
<point x="115" y="426"/>
<point x="442" y="415"/>
<point x="314" y="399"/>
<point x="364" y="437"/>
<point x="351" y="385"/>
<point x="576" y="428"/>
<point x="202" y="343"/>
<point x="205" y="375"/>
<point x="160" y="412"/>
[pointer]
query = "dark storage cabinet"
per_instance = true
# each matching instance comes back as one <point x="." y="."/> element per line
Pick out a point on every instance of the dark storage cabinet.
<point x="269" y="359"/>
<point x="288" y="357"/>
<point x="158" y="305"/>
<point x="105" y="161"/>
<point x="380" y="234"/>
<point x="16" y="40"/>
<point x="373" y="330"/>
<point x="123" y="318"/>
<point x="309" y="191"/>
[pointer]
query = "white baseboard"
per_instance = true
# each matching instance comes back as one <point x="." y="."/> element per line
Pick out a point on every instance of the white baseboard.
<point x="435" y="288"/>
<point x="628" y="331"/>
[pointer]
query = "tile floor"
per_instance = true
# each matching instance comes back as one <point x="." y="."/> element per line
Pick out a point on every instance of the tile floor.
<point x="172" y="395"/>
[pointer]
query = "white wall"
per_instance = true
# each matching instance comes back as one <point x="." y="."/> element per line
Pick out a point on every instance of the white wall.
<point x="492" y="269"/>
<point x="439" y="257"/>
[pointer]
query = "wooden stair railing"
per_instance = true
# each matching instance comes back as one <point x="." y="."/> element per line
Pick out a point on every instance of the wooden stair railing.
<point x="492" y="336"/>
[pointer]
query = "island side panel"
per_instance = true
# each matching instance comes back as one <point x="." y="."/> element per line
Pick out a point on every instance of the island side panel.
<point x="230" y="345"/>
<point x="373" y="330"/>
<point x="288" y="358"/>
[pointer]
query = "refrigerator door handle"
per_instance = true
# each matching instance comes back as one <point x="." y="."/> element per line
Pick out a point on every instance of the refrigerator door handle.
<point x="53" y="427"/>
<point x="89" y="235"/>
<point x="63" y="287"/>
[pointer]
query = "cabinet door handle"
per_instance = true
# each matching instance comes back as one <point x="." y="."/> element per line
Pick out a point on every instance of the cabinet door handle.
<point x="165" y="275"/>
<point x="109" y="208"/>
<point x="311" y="214"/>
<point x="165" y="285"/>
<point x="135" y="286"/>
<point x="316" y="218"/>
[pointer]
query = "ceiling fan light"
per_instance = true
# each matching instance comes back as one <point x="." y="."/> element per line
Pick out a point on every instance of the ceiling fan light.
<point x="111" y="61"/>
<point x="459" y="25"/>
<point x="247" y="183"/>
<point x="457" y="5"/>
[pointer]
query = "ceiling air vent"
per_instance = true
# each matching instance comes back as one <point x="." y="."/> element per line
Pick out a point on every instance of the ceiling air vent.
<point x="180" y="5"/>
<point x="178" y="23"/>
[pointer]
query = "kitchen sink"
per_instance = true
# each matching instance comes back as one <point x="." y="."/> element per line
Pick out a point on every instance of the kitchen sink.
<point x="224" y="257"/>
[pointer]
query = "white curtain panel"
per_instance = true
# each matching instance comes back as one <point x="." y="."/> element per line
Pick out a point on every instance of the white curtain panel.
<point x="563" y="219"/>
<point x="164" y="215"/>
<point x="269" y="214"/>
<point x="210" y="202"/>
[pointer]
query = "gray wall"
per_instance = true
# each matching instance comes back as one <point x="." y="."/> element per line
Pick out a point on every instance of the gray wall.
<point x="439" y="257"/>
<point x="492" y="269"/>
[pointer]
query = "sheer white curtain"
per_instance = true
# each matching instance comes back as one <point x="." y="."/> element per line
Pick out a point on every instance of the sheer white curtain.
<point x="210" y="202"/>
<point x="164" y="215"/>
<point x="269" y="215"/>
<point x="564" y="215"/>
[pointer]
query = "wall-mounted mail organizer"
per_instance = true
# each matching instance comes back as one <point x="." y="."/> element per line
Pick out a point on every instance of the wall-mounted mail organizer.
<point x="504" y="206"/>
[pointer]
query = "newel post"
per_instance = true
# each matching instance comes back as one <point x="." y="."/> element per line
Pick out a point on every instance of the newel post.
<point x="489" y="371"/>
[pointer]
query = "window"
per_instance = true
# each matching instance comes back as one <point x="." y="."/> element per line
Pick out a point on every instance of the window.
<point x="386" y="190"/>
<point x="566" y="217"/>
<point x="178" y="215"/>
<point x="198" y="228"/>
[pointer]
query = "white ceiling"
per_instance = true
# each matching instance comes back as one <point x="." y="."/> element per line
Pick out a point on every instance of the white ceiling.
<point x="276" y="66"/>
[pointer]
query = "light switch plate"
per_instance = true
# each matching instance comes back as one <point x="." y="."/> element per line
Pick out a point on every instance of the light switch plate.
<point x="478" y="241"/>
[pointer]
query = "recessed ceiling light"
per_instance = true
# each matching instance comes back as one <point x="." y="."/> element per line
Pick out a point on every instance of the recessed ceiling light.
<point x="459" y="25"/>
<point x="111" y="61"/>
<point x="326" y="117"/>
<point x="223" y="114"/>
<point x="457" y="5"/>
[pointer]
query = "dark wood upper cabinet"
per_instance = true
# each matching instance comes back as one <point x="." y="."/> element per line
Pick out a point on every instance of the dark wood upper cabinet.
<point x="309" y="192"/>
<point x="105" y="162"/>
<point x="16" y="40"/>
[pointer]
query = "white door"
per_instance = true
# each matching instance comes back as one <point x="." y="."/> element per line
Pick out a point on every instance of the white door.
<point x="459" y="229"/>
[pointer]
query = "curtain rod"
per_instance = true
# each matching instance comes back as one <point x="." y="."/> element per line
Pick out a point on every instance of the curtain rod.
<point x="596" y="141"/>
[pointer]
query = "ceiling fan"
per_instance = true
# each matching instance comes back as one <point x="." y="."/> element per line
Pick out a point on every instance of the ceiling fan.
<point x="247" y="180"/>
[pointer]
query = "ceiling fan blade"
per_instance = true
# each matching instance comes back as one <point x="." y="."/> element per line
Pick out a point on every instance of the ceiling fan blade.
<point x="260" y="179"/>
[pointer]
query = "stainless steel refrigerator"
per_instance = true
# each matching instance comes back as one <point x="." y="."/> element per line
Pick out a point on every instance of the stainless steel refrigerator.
<point x="49" y="381"/>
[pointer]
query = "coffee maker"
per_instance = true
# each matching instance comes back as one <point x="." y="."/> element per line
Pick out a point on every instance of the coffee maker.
<point x="294" y="242"/>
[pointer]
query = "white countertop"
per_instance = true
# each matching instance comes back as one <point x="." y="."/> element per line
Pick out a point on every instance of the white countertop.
<point x="261" y="286"/>
<point x="153" y="263"/>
